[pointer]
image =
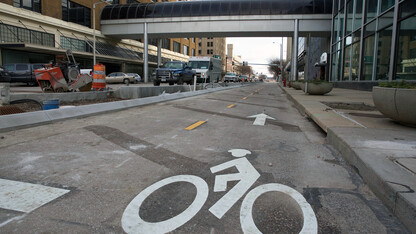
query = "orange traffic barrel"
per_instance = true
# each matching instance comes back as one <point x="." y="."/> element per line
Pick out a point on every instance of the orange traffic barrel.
<point x="98" y="83"/>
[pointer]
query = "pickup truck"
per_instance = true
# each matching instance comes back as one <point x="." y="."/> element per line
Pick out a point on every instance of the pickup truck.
<point x="23" y="72"/>
<point x="4" y="75"/>
<point x="173" y="72"/>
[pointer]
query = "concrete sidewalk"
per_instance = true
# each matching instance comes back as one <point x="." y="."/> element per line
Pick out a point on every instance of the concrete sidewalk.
<point x="382" y="152"/>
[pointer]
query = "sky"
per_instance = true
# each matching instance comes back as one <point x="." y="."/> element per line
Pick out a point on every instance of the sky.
<point x="258" y="50"/>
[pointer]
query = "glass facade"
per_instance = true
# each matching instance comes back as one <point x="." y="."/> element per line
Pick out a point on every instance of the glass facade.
<point x="216" y="8"/>
<point x="371" y="40"/>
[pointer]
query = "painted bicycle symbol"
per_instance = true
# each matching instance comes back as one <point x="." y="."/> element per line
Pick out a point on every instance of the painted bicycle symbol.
<point x="247" y="175"/>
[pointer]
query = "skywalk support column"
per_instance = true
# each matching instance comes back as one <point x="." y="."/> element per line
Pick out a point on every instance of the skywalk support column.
<point x="146" y="55"/>
<point x="159" y="52"/>
<point x="295" y="51"/>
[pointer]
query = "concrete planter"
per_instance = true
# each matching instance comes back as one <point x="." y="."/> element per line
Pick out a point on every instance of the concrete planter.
<point x="296" y="85"/>
<point x="397" y="104"/>
<point x="317" y="88"/>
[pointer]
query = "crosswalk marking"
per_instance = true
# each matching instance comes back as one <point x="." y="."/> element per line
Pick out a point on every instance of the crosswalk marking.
<point x="26" y="197"/>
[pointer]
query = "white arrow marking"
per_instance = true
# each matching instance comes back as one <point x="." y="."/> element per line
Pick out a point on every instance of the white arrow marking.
<point x="260" y="119"/>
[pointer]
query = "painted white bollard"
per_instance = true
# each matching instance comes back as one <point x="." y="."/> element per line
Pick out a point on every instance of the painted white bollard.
<point x="194" y="83"/>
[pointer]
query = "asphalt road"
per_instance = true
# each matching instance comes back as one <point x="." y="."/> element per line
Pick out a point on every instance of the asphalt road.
<point x="165" y="167"/>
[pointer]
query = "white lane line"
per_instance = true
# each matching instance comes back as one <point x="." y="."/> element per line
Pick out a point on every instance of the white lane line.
<point x="158" y="146"/>
<point x="11" y="220"/>
<point x="173" y="137"/>
<point x="122" y="163"/>
<point x="26" y="197"/>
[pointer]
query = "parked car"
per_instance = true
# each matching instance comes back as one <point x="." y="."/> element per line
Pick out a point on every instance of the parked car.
<point x="173" y="72"/>
<point x="119" y="77"/>
<point x="231" y="77"/>
<point x="4" y="75"/>
<point x="136" y="77"/>
<point x="23" y="72"/>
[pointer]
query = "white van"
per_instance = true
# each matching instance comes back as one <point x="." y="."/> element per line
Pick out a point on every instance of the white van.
<point x="208" y="69"/>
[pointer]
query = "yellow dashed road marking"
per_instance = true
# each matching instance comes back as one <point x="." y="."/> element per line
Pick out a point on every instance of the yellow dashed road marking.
<point x="230" y="106"/>
<point x="244" y="98"/>
<point x="195" y="125"/>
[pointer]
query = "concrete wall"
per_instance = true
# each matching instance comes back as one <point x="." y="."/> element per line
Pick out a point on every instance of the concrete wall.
<point x="122" y="92"/>
<point x="63" y="97"/>
<point x="142" y="92"/>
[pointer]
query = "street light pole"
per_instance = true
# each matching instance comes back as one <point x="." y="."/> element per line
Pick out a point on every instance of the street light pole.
<point x="281" y="55"/>
<point x="93" y="23"/>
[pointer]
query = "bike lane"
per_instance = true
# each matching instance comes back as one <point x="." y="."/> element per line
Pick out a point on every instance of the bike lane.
<point x="106" y="161"/>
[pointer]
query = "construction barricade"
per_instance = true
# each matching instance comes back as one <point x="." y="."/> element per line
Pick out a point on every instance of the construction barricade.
<point x="98" y="83"/>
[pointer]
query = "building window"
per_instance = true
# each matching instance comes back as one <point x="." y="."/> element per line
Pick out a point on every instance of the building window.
<point x="367" y="67"/>
<point x="193" y="52"/>
<point x="358" y="14"/>
<point x="74" y="44"/>
<point x="349" y="18"/>
<point x="9" y="33"/>
<point x="176" y="47"/>
<point x="185" y="50"/>
<point x="371" y="10"/>
<point x="383" y="51"/>
<point x="347" y="63"/>
<point x="406" y="49"/>
<point x="166" y="43"/>
<point x="76" y="13"/>
<point x="32" y="5"/>
<point x="199" y="52"/>
<point x="386" y="4"/>
<point x="207" y="51"/>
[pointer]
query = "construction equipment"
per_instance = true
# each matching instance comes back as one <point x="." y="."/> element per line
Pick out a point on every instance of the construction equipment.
<point x="63" y="77"/>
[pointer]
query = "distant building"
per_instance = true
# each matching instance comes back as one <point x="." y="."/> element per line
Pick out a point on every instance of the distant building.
<point x="213" y="46"/>
<point x="233" y="61"/>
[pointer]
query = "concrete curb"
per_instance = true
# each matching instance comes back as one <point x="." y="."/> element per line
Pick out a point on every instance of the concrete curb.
<point x="321" y="114"/>
<point x="375" y="167"/>
<point x="24" y="120"/>
<point x="380" y="173"/>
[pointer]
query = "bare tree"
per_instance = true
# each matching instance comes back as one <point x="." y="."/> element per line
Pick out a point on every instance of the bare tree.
<point x="244" y="70"/>
<point x="275" y="70"/>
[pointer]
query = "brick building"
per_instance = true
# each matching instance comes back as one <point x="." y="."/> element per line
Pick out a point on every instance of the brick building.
<point x="38" y="31"/>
